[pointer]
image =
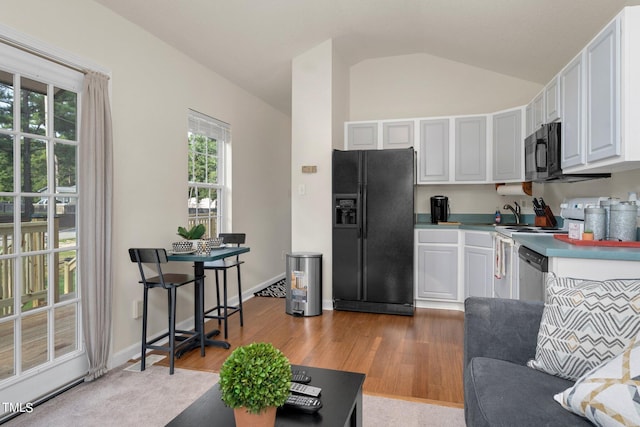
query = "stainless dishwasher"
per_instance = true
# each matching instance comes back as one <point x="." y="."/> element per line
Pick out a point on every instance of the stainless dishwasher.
<point x="533" y="268"/>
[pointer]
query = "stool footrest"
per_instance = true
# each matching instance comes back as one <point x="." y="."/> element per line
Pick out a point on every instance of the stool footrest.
<point x="185" y="338"/>
<point x="230" y="310"/>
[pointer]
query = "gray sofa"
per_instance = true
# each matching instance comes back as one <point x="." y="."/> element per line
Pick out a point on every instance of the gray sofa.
<point x="499" y="389"/>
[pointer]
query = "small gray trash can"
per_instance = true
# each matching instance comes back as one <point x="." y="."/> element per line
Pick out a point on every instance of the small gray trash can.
<point x="304" y="284"/>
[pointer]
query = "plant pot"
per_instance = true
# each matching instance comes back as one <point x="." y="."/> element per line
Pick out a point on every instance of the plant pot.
<point x="266" y="418"/>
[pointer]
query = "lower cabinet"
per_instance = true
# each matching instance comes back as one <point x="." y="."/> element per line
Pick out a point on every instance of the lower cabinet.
<point x="594" y="269"/>
<point x="437" y="264"/>
<point x="451" y="265"/>
<point x="478" y="264"/>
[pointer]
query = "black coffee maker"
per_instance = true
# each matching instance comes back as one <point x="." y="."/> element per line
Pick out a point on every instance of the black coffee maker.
<point x="439" y="209"/>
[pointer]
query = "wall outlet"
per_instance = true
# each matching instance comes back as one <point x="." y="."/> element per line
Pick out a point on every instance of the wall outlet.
<point x="136" y="309"/>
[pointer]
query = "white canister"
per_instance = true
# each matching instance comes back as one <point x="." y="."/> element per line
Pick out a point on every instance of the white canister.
<point x="595" y="221"/>
<point x="622" y="222"/>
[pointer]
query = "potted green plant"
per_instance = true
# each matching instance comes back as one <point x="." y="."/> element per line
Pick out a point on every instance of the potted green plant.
<point x="194" y="233"/>
<point x="254" y="381"/>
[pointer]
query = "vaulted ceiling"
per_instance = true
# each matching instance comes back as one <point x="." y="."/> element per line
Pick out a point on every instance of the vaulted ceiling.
<point x="252" y="42"/>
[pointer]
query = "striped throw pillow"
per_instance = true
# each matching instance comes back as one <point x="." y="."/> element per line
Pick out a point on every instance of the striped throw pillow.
<point x="585" y="323"/>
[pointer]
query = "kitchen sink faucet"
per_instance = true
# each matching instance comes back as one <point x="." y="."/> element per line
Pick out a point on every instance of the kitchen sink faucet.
<point x="516" y="211"/>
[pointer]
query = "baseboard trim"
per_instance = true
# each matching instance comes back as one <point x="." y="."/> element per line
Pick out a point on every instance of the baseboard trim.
<point x="133" y="351"/>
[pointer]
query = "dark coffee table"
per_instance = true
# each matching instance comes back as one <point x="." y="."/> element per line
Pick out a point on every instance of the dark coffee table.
<point x="341" y="404"/>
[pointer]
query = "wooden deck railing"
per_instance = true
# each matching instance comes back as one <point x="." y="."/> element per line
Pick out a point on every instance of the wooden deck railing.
<point x="34" y="267"/>
<point x="209" y="224"/>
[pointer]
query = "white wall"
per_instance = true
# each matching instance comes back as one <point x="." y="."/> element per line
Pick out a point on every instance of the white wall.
<point x="153" y="85"/>
<point x="422" y="85"/>
<point x="320" y="105"/>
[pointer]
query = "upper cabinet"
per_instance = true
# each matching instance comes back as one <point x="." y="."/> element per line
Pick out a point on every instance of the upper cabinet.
<point x="471" y="148"/>
<point x="362" y="136"/>
<point x="508" y="145"/>
<point x="572" y="125"/>
<point x="397" y="134"/>
<point x="603" y="93"/>
<point x="433" y="150"/>
<point x="528" y="112"/>
<point x="600" y="90"/>
<point x="379" y="134"/>
<point x="450" y="150"/>
<point x="538" y="111"/>
<point x="552" y="101"/>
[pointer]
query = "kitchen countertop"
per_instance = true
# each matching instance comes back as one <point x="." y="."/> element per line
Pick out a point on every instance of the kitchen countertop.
<point x="551" y="247"/>
<point x="546" y="244"/>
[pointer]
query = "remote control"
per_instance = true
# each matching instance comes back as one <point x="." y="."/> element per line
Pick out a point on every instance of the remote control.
<point x="309" y="390"/>
<point x="310" y="405"/>
<point x="300" y="377"/>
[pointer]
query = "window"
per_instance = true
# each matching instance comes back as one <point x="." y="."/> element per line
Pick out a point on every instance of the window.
<point x="207" y="138"/>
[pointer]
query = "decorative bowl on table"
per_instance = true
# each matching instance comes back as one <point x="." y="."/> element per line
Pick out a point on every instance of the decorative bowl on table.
<point x="207" y="245"/>
<point x="217" y="241"/>
<point x="182" y="246"/>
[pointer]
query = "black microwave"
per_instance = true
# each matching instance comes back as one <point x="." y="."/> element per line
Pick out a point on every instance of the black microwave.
<point x="542" y="153"/>
<point x="543" y="157"/>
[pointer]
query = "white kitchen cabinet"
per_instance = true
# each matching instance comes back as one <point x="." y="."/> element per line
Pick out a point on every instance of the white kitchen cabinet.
<point x="362" y="136"/>
<point x="594" y="269"/>
<point x="478" y="263"/>
<point x="608" y="138"/>
<point x="397" y="134"/>
<point x="602" y="57"/>
<point x="471" y="149"/>
<point x="433" y="151"/>
<point x="436" y="258"/>
<point x="572" y="125"/>
<point x="539" y="113"/>
<point x="508" y="146"/>
<point x="552" y="100"/>
<point x="528" y="120"/>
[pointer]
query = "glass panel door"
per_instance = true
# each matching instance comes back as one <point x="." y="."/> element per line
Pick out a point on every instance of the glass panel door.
<point x="40" y="311"/>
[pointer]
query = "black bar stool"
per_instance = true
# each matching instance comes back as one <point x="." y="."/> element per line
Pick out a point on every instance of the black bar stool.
<point x="223" y="309"/>
<point x="153" y="258"/>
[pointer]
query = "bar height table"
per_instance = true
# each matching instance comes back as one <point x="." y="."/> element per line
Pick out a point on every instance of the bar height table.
<point x="198" y="270"/>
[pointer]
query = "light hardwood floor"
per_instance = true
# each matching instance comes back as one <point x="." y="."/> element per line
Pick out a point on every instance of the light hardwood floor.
<point x="418" y="357"/>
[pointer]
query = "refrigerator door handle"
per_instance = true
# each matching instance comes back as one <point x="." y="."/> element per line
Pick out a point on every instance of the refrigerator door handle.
<point x="364" y="211"/>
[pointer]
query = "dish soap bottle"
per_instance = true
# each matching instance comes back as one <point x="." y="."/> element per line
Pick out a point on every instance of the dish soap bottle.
<point x="497" y="218"/>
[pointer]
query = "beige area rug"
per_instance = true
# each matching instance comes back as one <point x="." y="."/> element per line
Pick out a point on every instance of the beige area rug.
<point x="381" y="411"/>
<point x="127" y="397"/>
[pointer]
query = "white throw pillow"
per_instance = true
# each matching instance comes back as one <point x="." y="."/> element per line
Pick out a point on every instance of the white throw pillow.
<point x="609" y="395"/>
<point x="585" y="323"/>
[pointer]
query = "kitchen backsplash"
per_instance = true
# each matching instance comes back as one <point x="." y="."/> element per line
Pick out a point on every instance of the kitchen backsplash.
<point x="483" y="198"/>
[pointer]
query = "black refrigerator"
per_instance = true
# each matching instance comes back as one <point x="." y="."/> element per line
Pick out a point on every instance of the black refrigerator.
<point x="373" y="221"/>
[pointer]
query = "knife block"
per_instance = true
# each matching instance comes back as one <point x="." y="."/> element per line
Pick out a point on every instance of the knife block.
<point x="548" y="220"/>
<point x="542" y="221"/>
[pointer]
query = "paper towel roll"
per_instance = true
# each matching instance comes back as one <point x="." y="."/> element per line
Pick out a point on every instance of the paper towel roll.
<point x="511" y="190"/>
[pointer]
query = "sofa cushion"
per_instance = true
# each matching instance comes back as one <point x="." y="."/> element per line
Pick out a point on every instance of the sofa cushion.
<point x="585" y="323"/>
<point x="501" y="393"/>
<point x="609" y="395"/>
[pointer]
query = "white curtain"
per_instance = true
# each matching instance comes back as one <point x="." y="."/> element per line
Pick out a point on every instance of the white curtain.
<point x="95" y="169"/>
